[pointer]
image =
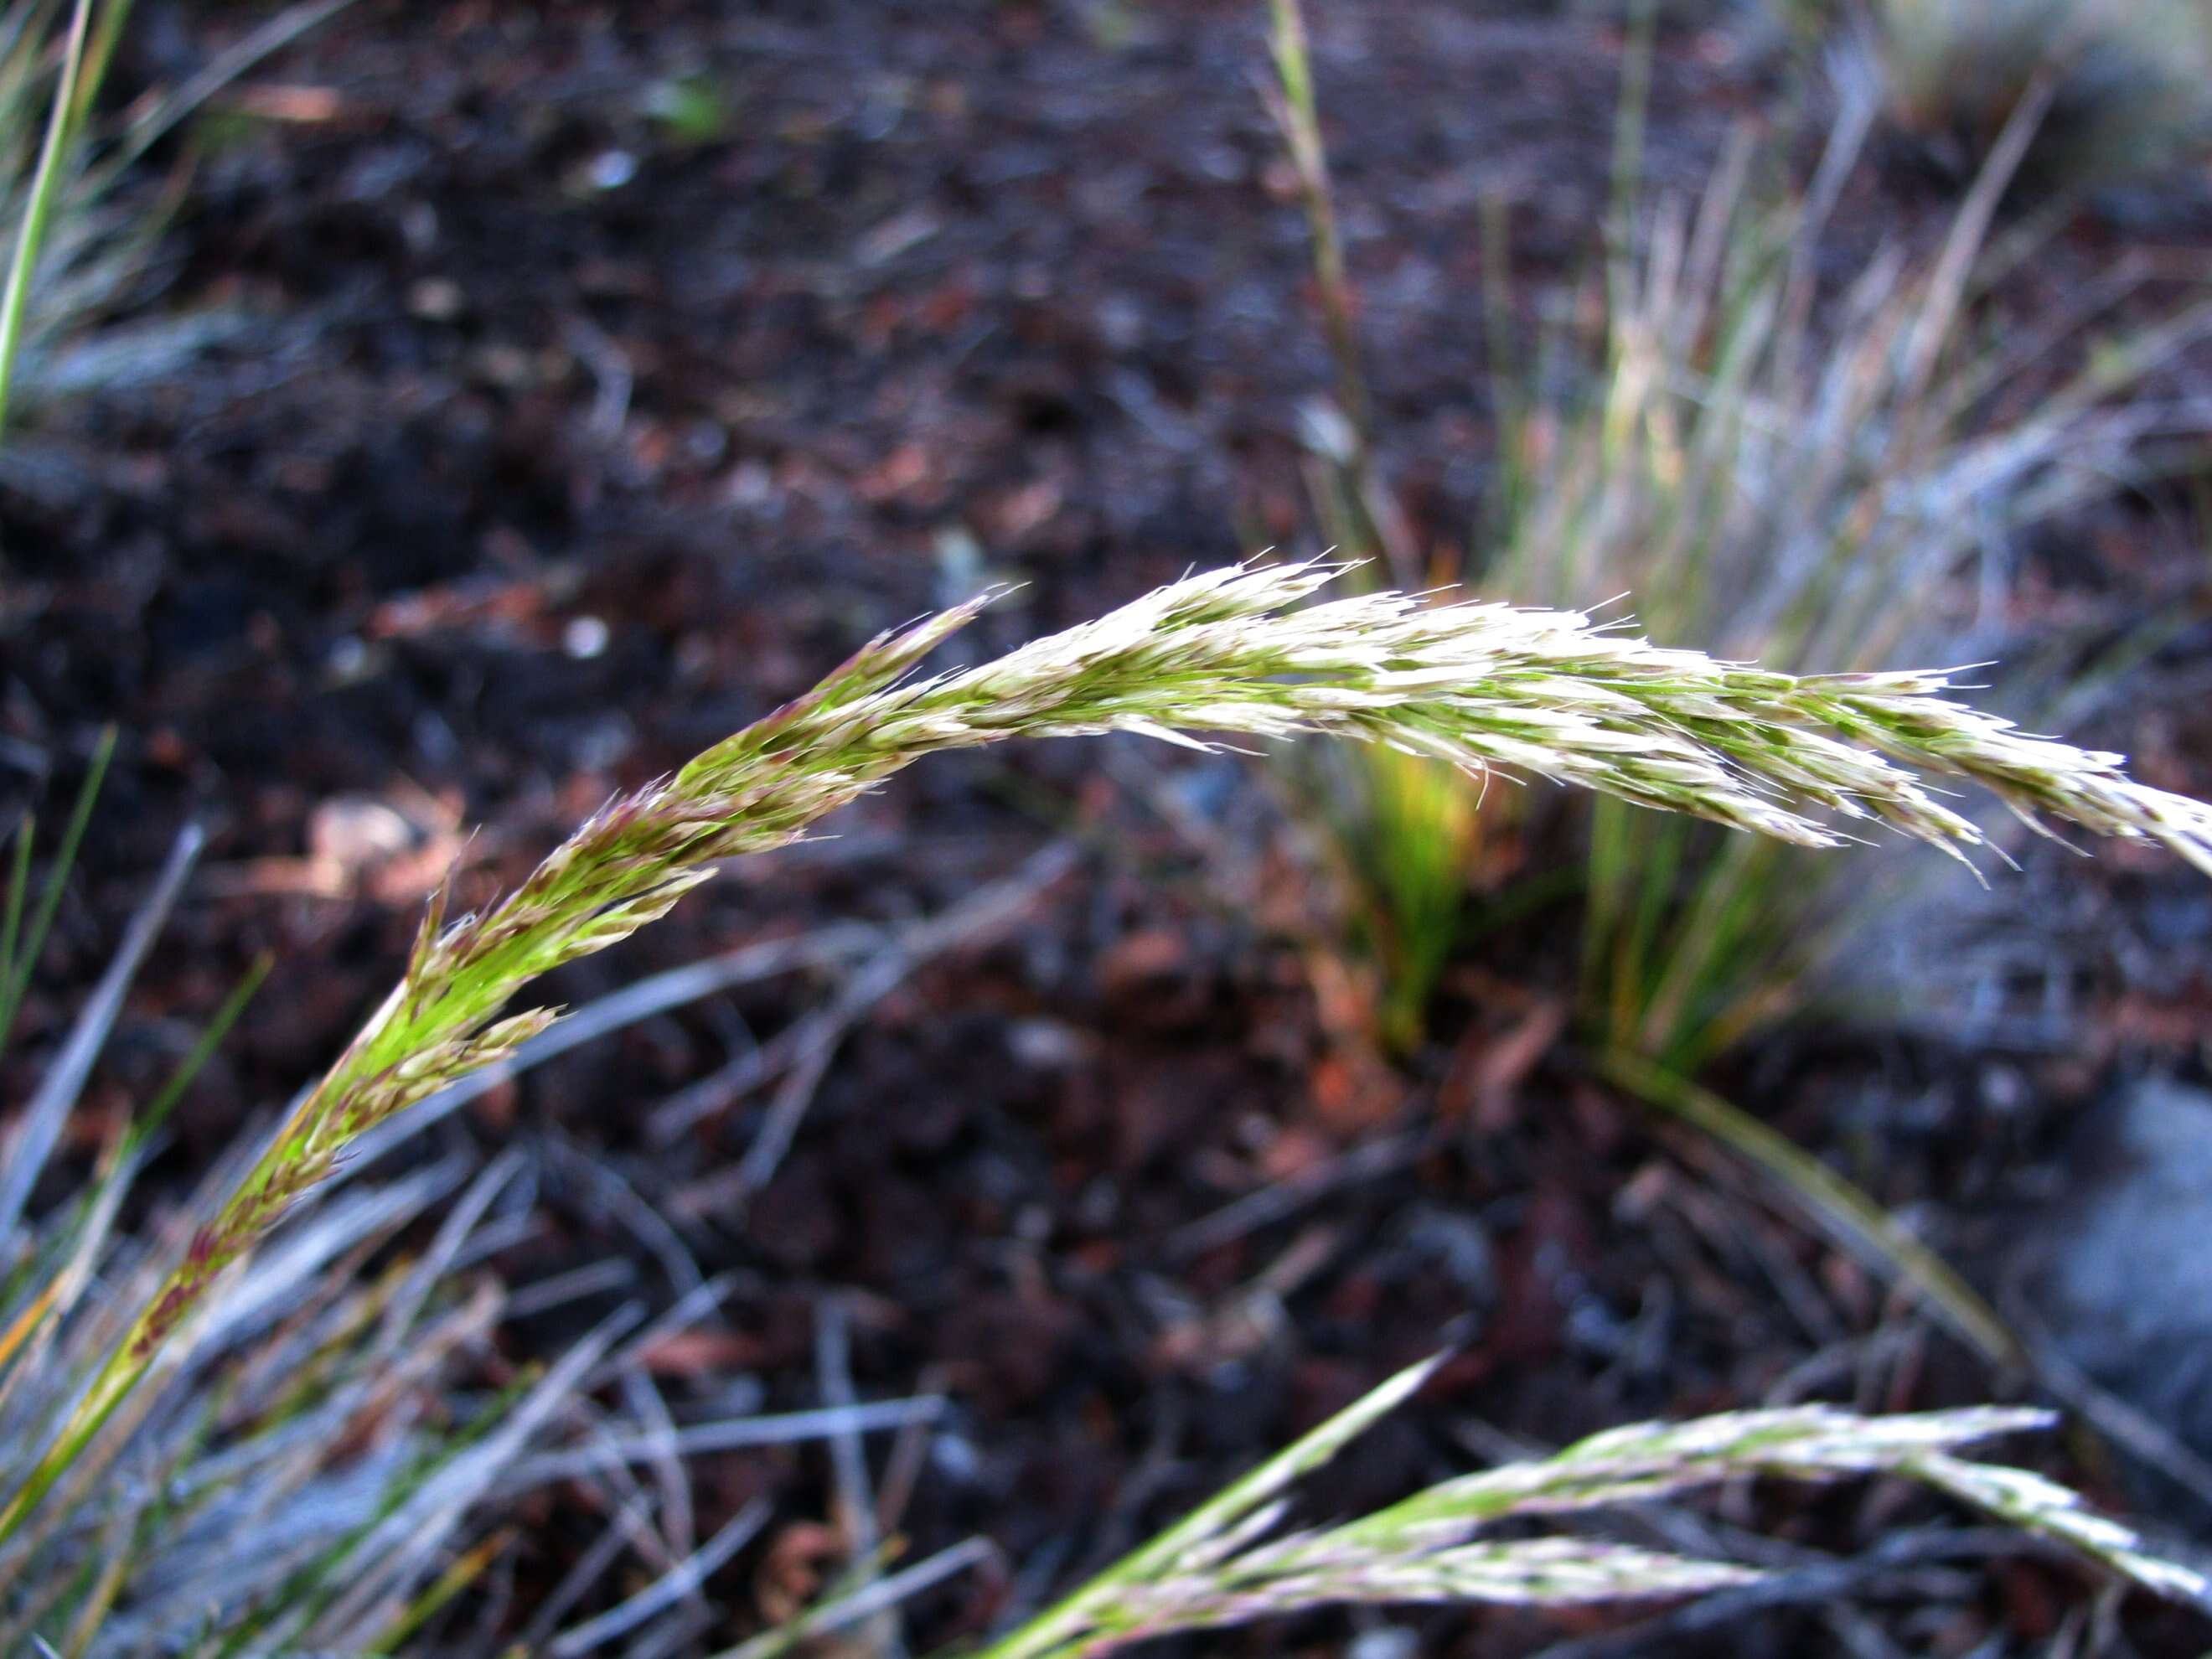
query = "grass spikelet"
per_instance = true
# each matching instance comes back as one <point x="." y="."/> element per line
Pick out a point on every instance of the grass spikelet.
<point x="1248" y="651"/>
<point x="1220" y="1567"/>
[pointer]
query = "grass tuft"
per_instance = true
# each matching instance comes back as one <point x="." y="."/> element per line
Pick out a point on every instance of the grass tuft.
<point x="2128" y="82"/>
<point x="308" y="1475"/>
<point x="81" y="247"/>
<point x="1817" y="481"/>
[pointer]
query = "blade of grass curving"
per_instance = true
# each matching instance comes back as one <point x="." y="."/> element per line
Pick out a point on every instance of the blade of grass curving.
<point x="148" y="1122"/>
<point x="40" y="1130"/>
<point x="16" y="973"/>
<point x="1833" y="1204"/>
<point x="465" y="1570"/>
<point x="11" y="911"/>
<point x="38" y="210"/>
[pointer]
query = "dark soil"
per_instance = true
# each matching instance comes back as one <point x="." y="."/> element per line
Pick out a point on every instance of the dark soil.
<point x="567" y="437"/>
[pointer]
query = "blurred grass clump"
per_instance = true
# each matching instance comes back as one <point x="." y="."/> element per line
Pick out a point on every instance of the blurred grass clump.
<point x="1715" y="437"/>
<point x="1816" y="481"/>
<point x="319" y="1465"/>
<point x="80" y="246"/>
<point x="246" y="1493"/>
<point x="2126" y="84"/>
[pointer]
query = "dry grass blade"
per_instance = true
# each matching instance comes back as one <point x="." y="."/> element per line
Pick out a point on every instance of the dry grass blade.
<point x="2127" y="80"/>
<point x="40" y="1130"/>
<point x="1839" y="1208"/>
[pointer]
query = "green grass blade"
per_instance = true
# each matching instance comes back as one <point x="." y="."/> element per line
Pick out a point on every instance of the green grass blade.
<point x="11" y="909"/>
<point x="17" y="969"/>
<point x="202" y="1049"/>
<point x="53" y="155"/>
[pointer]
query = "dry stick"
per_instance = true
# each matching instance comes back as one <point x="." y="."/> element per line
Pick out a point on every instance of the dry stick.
<point x="824" y="947"/>
<point x="1279" y="1199"/>
<point x="1478" y="685"/>
<point x="804" y="1050"/>
<point x="967" y="924"/>
<point x="673" y="1586"/>
<point x="848" y="1462"/>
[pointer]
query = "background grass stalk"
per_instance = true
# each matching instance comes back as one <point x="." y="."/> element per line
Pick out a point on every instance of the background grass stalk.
<point x="1404" y="830"/>
<point x="38" y="209"/>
